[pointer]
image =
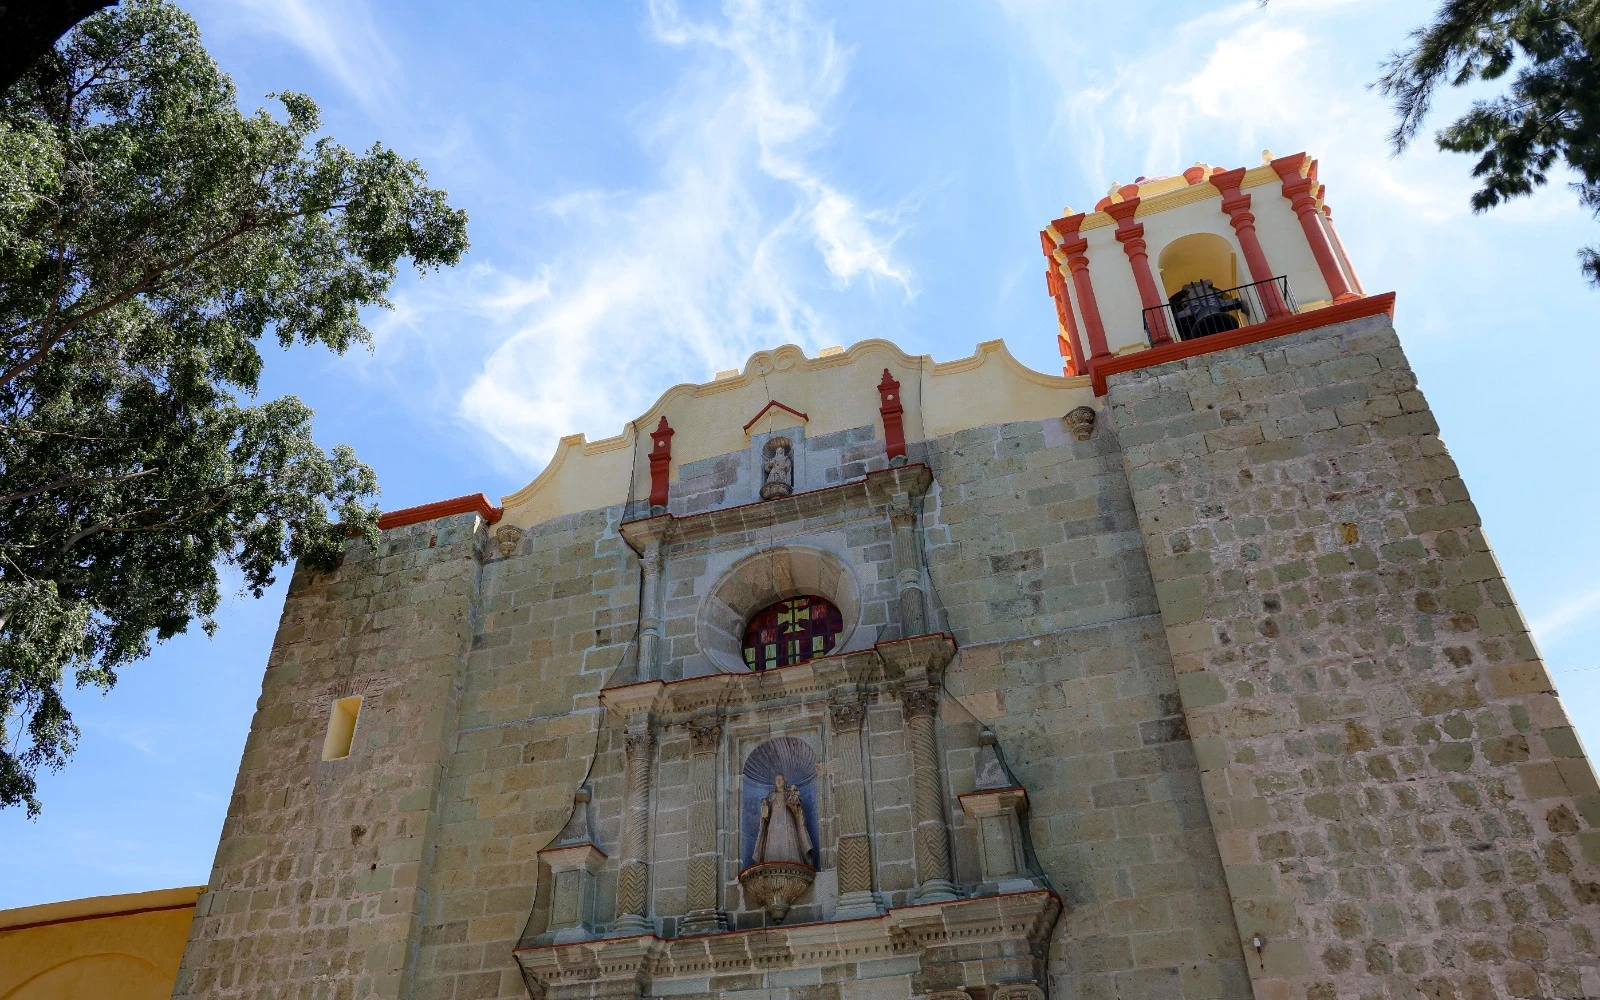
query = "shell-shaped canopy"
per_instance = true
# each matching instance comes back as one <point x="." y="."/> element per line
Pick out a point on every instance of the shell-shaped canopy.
<point x="786" y="755"/>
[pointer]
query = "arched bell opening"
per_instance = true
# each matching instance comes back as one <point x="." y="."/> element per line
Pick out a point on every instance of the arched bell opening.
<point x="1198" y="272"/>
<point x="1198" y="257"/>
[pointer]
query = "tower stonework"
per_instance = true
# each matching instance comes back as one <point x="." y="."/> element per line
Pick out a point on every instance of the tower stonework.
<point x="1186" y="673"/>
<point x="1397" y="792"/>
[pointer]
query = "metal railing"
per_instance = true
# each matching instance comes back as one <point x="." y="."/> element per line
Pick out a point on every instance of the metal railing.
<point x="1200" y="310"/>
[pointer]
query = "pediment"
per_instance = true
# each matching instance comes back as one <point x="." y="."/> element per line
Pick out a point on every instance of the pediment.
<point x="775" y="416"/>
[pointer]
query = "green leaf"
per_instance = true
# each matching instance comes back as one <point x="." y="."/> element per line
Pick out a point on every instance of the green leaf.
<point x="151" y="235"/>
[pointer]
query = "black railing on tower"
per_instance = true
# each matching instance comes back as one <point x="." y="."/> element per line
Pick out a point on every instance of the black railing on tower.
<point x="1200" y="309"/>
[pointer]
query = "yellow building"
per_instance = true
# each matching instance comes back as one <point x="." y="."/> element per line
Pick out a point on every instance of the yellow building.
<point x="125" y="947"/>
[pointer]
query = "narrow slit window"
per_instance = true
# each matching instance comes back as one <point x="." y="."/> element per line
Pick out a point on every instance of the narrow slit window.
<point x="341" y="728"/>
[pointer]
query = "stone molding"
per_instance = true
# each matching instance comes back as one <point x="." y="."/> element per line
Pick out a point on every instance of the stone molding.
<point x="886" y="668"/>
<point x="994" y="941"/>
<point x="731" y="523"/>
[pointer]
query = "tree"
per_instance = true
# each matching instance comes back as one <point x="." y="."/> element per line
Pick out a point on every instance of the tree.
<point x="151" y="234"/>
<point x="28" y="29"/>
<point x="1549" y="113"/>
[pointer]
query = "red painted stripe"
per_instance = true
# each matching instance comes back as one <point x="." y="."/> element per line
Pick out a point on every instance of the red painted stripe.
<point x="1339" y="312"/>
<point x="472" y="503"/>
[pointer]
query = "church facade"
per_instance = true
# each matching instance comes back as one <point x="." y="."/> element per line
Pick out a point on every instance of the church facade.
<point x="1186" y="673"/>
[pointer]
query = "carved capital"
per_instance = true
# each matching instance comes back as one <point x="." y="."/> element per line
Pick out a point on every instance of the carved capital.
<point x="706" y="736"/>
<point x="846" y="714"/>
<point x="650" y="562"/>
<point x="922" y="702"/>
<point x="639" y="744"/>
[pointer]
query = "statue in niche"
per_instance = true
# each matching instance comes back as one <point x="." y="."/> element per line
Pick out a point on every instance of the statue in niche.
<point x="783" y="834"/>
<point x="780" y="472"/>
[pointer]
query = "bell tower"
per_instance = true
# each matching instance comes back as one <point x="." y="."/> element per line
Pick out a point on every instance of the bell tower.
<point x="1172" y="259"/>
<point x="1399" y="800"/>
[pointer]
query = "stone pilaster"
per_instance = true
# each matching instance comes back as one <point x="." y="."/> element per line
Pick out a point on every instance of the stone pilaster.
<point x="927" y="802"/>
<point x="633" y="883"/>
<point x="704" y="916"/>
<point x="650" y="612"/>
<point x="854" y="856"/>
<point x="907" y="567"/>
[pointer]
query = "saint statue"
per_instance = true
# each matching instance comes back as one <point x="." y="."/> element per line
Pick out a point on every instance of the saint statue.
<point x="783" y="834"/>
<point x="780" y="474"/>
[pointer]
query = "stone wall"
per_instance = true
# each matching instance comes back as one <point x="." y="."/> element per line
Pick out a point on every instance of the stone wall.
<point x="1027" y="531"/>
<point x="1401" y="803"/>
<point x="1310" y="714"/>
<point x="1090" y="723"/>
<point x="319" y="881"/>
<point x="1035" y="553"/>
<point x="559" y="617"/>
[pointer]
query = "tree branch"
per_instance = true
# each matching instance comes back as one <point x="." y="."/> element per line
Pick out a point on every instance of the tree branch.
<point x="154" y="279"/>
<point x="65" y="481"/>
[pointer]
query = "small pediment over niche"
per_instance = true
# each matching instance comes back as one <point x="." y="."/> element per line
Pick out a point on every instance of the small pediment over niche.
<point x="775" y="416"/>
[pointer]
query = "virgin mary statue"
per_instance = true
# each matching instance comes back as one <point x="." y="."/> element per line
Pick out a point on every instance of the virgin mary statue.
<point x="783" y="834"/>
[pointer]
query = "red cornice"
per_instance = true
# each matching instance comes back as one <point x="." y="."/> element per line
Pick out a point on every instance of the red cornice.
<point x="472" y="503"/>
<point x="1339" y="312"/>
<point x="764" y="409"/>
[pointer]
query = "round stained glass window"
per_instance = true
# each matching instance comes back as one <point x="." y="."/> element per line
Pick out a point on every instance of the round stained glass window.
<point x="791" y="631"/>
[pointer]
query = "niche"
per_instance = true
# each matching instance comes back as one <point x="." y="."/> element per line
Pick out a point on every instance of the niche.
<point x="341" y="728"/>
<point x="797" y="762"/>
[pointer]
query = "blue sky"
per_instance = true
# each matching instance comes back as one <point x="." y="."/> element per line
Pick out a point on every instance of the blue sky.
<point x="658" y="189"/>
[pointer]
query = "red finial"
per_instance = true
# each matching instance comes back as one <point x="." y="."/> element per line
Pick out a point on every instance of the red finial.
<point x="660" y="460"/>
<point x="894" y="434"/>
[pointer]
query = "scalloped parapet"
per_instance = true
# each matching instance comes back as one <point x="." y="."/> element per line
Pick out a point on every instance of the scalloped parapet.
<point x="835" y="392"/>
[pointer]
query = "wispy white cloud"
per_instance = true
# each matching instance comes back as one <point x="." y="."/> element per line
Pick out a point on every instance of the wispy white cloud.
<point x="728" y="249"/>
<point x="1564" y="617"/>
<point x="1226" y="83"/>
<point x="341" y="39"/>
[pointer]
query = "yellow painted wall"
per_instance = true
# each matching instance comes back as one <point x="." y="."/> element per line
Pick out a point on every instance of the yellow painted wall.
<point x="123" y="947"/>
<point x="837" y="391"/>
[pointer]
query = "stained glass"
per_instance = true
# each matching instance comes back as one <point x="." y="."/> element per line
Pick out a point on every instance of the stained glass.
<point x="791" y="631"/>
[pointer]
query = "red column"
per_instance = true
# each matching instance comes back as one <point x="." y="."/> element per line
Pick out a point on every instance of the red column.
<point x="1237" y="206"/>
<point x="1068" y="343"/>
<point x="1078" y="264"/>
<point x="894" y="431"/>
<point x="1327" y="213"/>
<point x="660" y="461"/>
<point x="1131" y="235"/>
<point x="1297" y="187"/>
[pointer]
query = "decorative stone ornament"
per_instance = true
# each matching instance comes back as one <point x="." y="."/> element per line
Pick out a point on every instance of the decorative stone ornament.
<point x="573" y="861"/>
<point x="776" y="886"/>
<point x="506" y="539"/>
<point x="1080" y="422"/>
<point x="998" y="815"/>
